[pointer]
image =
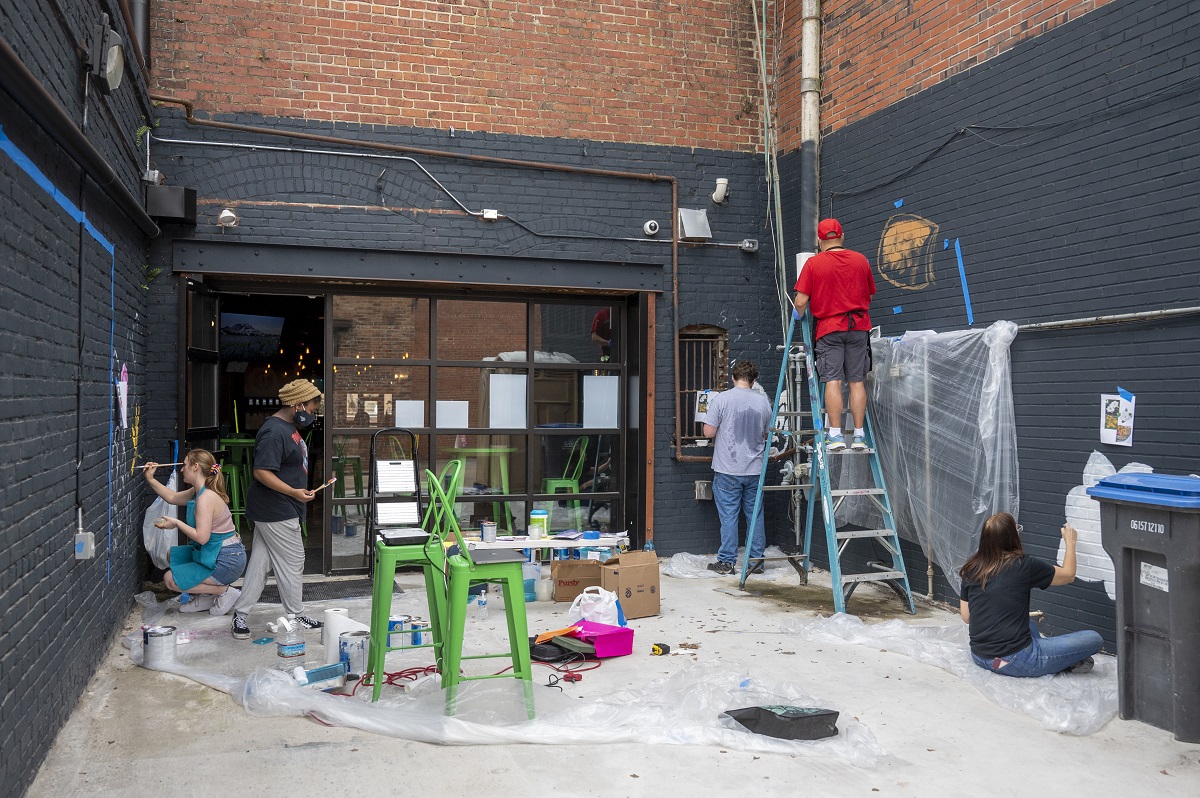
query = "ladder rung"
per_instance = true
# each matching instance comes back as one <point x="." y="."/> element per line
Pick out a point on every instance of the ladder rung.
<point x="858" y="492"/>
<point x="848" y="450"/>
<point x="877" y="576"/>
<point x="864" y="533"/>
<point x="788" y="487"/>
<point x="794" y="413"/>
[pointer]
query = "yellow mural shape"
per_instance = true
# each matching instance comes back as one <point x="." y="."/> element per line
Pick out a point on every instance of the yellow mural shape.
<point x="906" y="251"/>
<point x="137" y="425"/>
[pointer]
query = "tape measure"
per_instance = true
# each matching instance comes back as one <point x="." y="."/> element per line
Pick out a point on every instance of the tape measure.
<point x="658" y="649"/>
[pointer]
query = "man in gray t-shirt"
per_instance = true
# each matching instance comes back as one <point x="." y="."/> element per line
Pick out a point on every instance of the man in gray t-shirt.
<point x="738" y="419"/>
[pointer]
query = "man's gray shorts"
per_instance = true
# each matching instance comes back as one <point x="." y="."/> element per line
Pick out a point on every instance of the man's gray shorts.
<point x="844" y="355"/>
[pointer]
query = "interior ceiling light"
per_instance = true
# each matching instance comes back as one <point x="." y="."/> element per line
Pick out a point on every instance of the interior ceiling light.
<point x="106" y="56"/>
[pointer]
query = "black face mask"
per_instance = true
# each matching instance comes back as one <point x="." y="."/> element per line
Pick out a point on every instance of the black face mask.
<point x="303" y="419"/>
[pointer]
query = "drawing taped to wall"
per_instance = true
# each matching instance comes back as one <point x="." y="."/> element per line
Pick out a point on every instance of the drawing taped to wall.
<point x="906" y="251"/>
<point x="1083" y="513"/>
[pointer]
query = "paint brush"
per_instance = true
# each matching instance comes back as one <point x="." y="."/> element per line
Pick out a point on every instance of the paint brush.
<point x="164" y="465"/>
<point x="326" y="485"/>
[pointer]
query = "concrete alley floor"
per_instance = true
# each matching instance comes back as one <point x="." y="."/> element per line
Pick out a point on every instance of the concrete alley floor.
<point x="137" y="732"/>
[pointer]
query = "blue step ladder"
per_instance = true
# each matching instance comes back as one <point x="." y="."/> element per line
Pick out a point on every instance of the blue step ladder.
<point x="837" y="540"/>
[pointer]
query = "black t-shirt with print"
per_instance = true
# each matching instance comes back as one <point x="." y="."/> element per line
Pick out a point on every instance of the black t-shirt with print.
<point x="278" y="447"/>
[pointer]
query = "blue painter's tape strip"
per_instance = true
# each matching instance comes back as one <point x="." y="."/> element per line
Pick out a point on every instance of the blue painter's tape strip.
<point x="899" y="202"/>
<point x="28" y="167"/>
<point x="896" y="310"/>
<point x="1126" y="395"/>
<point x="962" y="275"/>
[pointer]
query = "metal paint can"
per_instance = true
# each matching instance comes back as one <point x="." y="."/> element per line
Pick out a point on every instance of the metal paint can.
<point x="397" y="624"/>
<point x="419" y="629"/>
<point x="158" y="646"/>
<point x="487" y="530"/>
<point x="352" y="650"/>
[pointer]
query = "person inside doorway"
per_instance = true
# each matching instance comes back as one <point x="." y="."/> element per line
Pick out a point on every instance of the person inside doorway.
<point x="602" y="333"/>
<point x="997" y="580"/>
<point x="276" y="503"/>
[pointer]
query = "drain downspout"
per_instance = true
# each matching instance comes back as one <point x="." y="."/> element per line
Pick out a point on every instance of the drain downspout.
<point x="810" y="123"/>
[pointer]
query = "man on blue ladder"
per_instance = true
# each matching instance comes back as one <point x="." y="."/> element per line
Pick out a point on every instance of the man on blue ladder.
<point x="836" y="284"/>
<point x="738" y="419"/>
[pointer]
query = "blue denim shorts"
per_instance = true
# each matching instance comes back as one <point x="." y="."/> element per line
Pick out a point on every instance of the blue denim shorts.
<point x="231" y="564"/>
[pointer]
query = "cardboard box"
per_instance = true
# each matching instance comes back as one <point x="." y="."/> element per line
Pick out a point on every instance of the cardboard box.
<point x="572" y="576"/>
<point x="633" y="576"/>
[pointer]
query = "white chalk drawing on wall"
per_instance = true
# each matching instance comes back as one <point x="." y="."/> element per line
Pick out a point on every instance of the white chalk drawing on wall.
<point x="1083" y="512"/>
<point x="906" y="251"/>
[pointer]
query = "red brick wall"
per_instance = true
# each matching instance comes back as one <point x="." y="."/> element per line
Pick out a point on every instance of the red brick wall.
<point x="639" y="71"/>
<point x="875" y="54"/>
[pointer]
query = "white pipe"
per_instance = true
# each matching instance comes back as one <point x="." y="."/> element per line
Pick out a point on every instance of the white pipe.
<point x="810" y="108"/>
<point x="1120" y="318"/>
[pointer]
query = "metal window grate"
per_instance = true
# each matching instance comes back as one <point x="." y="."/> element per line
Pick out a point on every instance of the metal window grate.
<point x="703" y="365"/>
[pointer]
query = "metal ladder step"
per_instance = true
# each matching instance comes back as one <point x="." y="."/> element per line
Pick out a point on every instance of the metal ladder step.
<point x="858" y="492"/>
<point x="848" y="450"/>
<point x="875" y="576"/>
<point x="864" y="533"/>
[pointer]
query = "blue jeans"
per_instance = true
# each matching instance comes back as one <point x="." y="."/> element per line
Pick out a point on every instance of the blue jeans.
<point x="731" y="495"/>
<point x="1045" y="655"/>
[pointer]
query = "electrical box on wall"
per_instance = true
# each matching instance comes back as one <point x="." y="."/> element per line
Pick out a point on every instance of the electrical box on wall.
<point x="704" y="490"/>
<point x="85" y="546"/>
<point x="171" y="204"/>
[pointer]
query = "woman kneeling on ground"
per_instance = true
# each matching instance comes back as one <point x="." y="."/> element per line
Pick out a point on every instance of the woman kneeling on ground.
<point x="996" y="581"/>
<point x="215" y="556"/>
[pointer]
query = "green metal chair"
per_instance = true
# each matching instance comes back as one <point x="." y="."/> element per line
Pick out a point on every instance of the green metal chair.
<point x="569" y="481"/>
<point x="466" y="569"/>
<point x="431" y="557"/>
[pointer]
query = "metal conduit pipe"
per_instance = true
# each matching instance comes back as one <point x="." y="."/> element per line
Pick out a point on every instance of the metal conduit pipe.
<point x="27" y="92"/>
<point x="1120" y="318"/>
<point x="810" y="123"/>
<point x="190" y="117"/>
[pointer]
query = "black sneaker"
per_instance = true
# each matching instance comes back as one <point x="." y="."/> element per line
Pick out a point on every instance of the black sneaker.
<point x="721" y="567"/>
<point x="1083" y="666"/>
<point x="309" y="623"/>
<point x="240" y="630"/>
<point x="757" y="568"/>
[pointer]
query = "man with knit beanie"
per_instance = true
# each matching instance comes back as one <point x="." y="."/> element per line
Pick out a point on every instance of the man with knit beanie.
<point x="275" y="504"/>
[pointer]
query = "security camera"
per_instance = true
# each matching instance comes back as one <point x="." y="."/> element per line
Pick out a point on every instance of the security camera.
<point x="227" y="218"/>
<point x="650" y="228"/>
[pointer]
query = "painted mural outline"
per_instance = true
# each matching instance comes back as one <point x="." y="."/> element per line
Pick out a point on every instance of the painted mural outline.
<point x="1083" y="512"/>
<point x="905" y="257"/>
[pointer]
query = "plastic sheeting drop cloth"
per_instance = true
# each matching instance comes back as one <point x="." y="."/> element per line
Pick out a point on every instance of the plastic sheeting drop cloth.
<point x="1078" y="704"/>
<point x="941" y="406"/>
<point x="695" y="566"/>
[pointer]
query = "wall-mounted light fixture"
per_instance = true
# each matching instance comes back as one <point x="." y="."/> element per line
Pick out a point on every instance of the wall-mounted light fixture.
<point x="722" y="190"/>
<point x="106" y="56"/>
<point x="227" y="218"/>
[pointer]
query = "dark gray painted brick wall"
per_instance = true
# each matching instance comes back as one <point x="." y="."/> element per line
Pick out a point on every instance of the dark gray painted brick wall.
<point x="1087" y="207"/>
<point x="60" y="614"/>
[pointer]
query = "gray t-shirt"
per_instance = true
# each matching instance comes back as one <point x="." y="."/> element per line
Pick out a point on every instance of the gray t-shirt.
<point x="741" y="416"/>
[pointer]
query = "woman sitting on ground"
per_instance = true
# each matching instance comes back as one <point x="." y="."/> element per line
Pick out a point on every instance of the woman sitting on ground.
<point x="214" y="557"/>
<point x="996" y="581"/>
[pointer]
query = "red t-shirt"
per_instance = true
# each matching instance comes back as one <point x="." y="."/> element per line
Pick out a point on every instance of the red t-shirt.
<point x="837" y="282"/>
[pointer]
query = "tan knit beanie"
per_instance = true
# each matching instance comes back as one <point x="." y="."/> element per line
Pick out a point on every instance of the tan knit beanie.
<point x="298" y="391"/>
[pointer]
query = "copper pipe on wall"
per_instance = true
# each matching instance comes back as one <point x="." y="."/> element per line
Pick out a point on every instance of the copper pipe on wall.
<point x="190" y="117"/>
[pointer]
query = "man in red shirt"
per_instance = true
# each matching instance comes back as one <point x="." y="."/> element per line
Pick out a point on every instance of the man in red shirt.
<point x="836" y="284"/>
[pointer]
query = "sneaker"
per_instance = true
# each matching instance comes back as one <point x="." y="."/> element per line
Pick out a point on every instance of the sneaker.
<point x="757" y="568"/>
<point x="836" y="443"/>
<point x="199" y="603"/>
<point x="859" y="442"/>
<point x="309" y="623"/>
<point x="240" y="630"/>
<point x="721" y="567"/>
<point x="225" y="602"/>
<point x="1083" y="666"/>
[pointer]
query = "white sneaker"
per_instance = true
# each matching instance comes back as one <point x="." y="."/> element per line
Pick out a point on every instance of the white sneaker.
<point x="225" y="602"/>
<point x="198" y="603"/>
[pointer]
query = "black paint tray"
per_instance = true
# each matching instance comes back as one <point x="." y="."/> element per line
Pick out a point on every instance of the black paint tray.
<point x="786" y="723"/>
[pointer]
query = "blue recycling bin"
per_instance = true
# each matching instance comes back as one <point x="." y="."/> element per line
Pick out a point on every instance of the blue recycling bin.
<point x="1150" y="526"/>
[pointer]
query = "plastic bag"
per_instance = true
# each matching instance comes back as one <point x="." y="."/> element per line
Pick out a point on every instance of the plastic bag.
<point x="598" y="605"/>
<point x="159" y="541"/>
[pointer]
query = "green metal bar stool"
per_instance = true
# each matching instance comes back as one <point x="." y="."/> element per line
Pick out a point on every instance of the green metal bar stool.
<point x="237" y="499"/>
<point x="498" y="567"/>
<point x="569" y="481"/>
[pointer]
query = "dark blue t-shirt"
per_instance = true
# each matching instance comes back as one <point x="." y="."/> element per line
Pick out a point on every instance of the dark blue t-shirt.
<point x="278" y="447"/>
<point x="1000" y="612"/>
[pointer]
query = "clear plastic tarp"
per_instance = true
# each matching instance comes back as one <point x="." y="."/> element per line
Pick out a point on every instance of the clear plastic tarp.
<point x="942" y="411"/>
<point x="1079" y="704"/>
